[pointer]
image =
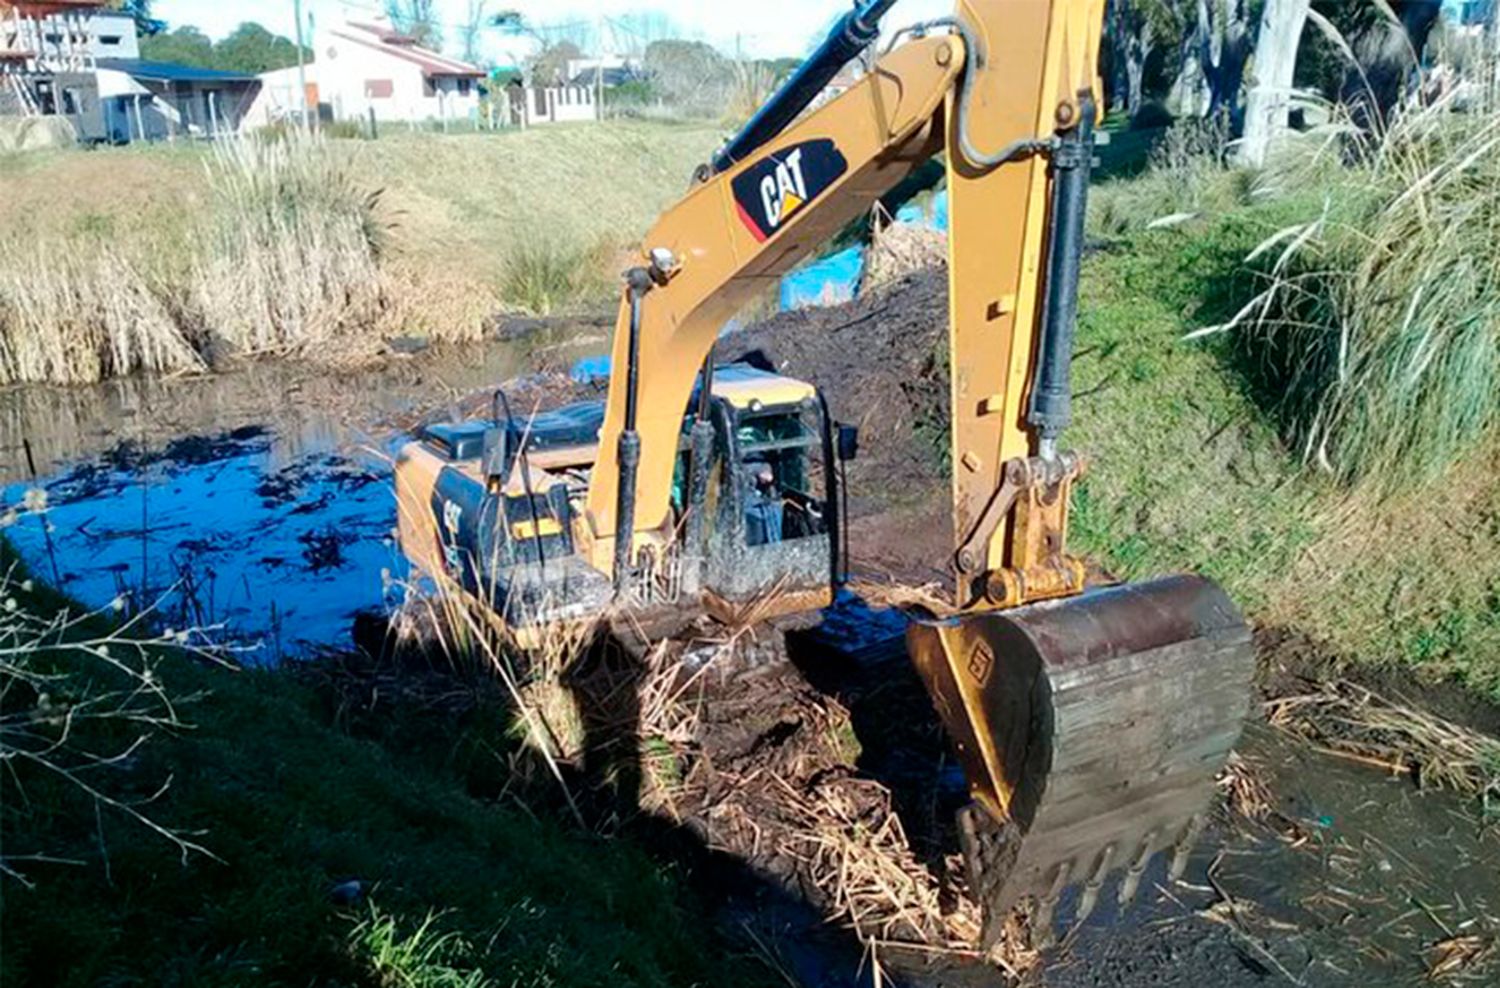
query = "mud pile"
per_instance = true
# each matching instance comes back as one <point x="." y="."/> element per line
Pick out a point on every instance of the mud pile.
<point x="881" y="363"/>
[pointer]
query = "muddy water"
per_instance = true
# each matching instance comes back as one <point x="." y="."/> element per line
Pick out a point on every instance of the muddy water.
<point x="257" y="500"/>
<point x="1356" y="879"/>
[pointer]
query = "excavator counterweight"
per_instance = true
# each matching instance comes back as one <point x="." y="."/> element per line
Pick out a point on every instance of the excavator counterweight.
<point x="1090" y="721"/>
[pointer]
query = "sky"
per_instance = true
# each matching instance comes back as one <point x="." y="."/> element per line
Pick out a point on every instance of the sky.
<point x="762" y="29"/>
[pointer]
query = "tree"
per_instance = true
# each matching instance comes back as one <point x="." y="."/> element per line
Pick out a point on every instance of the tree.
<point x="417" y="18"/>
<point x="1270" y="94"/>
<point x="253" y="49"/>
<point x="140" y="10"/>
<point x="1387" y="50"/>
<point x="1225" y="39"/>
<point x="469" y="30"/>
<point x="691" y="75"/>
<point x="185" y="45"/>
<point x="550" y="66"/>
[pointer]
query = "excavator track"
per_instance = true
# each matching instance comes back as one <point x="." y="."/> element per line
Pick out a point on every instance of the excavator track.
<point x="1091" y="731"/>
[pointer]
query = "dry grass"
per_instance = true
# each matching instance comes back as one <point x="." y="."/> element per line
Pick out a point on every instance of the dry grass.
<point x="289" y="259"/>
<point x="853" y="846"/>
<point x="899" y="249"/>
<point x="168" y="260"/>
<point x="1351" y="721"/>
<point x="1243" y="787"/>
<point x="72" y="316"/>
<point x="283" y="257"/>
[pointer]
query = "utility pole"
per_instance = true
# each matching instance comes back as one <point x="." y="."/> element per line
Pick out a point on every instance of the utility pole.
<point x="599" y="69"/>
<point x="301" y="66"/>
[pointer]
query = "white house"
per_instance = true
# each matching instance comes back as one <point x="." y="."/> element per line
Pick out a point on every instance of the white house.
<point x="532" y="105"/>
<point x="358" y="67"/>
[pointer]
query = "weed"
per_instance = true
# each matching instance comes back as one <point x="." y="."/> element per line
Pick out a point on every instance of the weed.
<point x="423" y="958"/>
<point x="543" y="275"/>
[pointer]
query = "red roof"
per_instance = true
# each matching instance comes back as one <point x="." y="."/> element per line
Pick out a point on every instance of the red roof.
<point x="45" y="8"/>
<point x="404" y="46"/>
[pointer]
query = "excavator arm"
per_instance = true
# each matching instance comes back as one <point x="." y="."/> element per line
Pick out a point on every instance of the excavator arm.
<point x="993" y="87"/>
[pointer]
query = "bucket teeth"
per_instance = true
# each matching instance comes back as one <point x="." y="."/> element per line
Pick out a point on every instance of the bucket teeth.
<point x="1090" y="897"/>
<point x="1132" y="881"/>
<point x="1090" y="731"/>
<point x="1046" y="907"/>
<point x="1184" y="846"/>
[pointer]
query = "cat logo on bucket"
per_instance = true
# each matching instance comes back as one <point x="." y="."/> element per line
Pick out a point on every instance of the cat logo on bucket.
<point x="784" y="182"/>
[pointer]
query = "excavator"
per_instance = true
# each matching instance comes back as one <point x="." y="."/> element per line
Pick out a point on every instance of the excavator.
<point x="1090" y="720"/>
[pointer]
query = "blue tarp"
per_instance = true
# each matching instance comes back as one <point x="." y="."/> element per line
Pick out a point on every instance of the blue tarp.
<point x="586" y="369"/>
<point x="835" y="278"/>
<point x="829" y="281"/>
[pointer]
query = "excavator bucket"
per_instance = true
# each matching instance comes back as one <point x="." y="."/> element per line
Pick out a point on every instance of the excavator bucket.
<point x="1091" y="731"/>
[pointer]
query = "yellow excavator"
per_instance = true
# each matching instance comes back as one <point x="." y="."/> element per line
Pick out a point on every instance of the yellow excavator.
<point x="1090" y="721"/>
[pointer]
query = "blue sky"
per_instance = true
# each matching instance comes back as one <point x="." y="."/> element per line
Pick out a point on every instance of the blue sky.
<point x="764" y="28"/>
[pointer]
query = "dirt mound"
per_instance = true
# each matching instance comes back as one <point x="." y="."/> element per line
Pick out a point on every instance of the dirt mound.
<point x="879" y="361"/>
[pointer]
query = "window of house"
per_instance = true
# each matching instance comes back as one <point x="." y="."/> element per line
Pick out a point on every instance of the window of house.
<point x="429" y="88"/>
<point x="379" y="89"/>
<point x="109" y="40"/>
<point x="70" y="101"/>
<point x="463" y="87"/>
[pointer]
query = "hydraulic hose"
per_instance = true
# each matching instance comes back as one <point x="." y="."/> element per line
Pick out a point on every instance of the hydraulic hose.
<point x="854" y="32"/>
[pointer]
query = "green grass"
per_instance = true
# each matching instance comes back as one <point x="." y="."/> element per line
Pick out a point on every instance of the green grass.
<point x="464" y="891"/>
<point x="1192" y="467"/>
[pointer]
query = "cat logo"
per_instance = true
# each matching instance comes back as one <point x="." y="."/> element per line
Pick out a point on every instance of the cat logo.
<point x="452" y="515"/>
<point x="782" y="183"/>
<point x="782" y="191"/>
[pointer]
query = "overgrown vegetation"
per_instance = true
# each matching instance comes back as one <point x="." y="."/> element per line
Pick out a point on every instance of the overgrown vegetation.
<point x="1200" y="443"/>
<point x="1379" y="326"/>
<point x="170" y="260"/>
<point x="282" y="257"/>
<point x="341" y="845"/>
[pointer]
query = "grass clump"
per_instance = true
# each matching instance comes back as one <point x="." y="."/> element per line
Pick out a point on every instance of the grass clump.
<point x="546" y="275"/>
<point x="1378" y="327"/>
<point x="290" y="255"/>
<point x="283" y="256"/>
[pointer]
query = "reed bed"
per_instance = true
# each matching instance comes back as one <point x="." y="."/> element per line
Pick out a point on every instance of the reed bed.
<point x="284" y="257"/>
<point x="1377" y="331"/>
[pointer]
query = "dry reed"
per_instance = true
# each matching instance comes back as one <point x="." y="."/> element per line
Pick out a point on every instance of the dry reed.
<point x="1351" y="721"/>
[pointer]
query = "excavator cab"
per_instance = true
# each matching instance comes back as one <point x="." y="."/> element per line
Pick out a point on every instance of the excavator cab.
<point x="493" y="504"/>
<point x="771" y="508"/>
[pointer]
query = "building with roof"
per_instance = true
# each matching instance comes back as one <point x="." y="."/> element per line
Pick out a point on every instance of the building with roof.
<point x="77" y="61"/>
<point x="363" y="66"/>
<point x="48" y="50"/>
<point x="147" y="101"/>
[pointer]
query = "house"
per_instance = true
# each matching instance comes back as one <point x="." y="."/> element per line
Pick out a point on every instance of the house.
<point x="607" y="71"/>
<point x="76" y="60"/>
<point x="148" y="101"/>
<point x="359" y="67"/>
<point x="48" y="52"/>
